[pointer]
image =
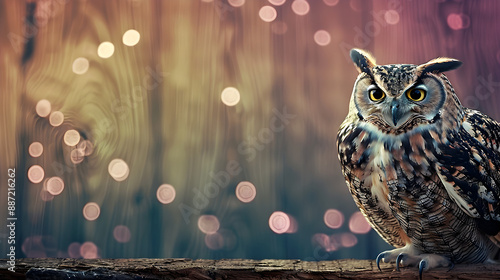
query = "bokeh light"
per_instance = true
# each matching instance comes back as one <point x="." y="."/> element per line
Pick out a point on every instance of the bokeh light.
<point x="357" y="5"/>
<point x="165" y="193"/>
<point x="43" y="108"/>
<point x="105" y="50"/>
<point x="214" y="241"/>
<point x="359" y="224"/>
<point x="80" y="65"/>
<point x="300" y="7"/>
<point x="118" y="169"/>
<point x="131" y="37"/>
<point x="268" y="13"/>
<point x="279" y="27"/>
<point x="35" y="149"/>
<point x="326" y="242"/>
<point x="294" y="225"/>
<point x="458" y="21"/>
<point x="91" y="211"/>
<point x="71" y="137"/>
<point x="236" y="3"/>
<point x="76" y="156"/>
<point x="333" y="218"/>
<point x="208" y="224"/>
<point x="36" y="246"/>
<point x="55" y="186"/>
<point x="121" y="234"/>
<point x="391" y="17"/>
<point x="86" y="147"/>
<point x="74" y="250"/>
<point x="230" y="96"/>
<point x="322" y="37"/>
<point x="348" y="239"/>
<point x="56" y="118"/>
<point x="45" y="195"/>
<point x="36" y="174"/>
<point x="277" y="2"/>
<point x="279" y="222"/>
<point x="321" y="239"/>
<point x="88" y="250"/>
<point x="155" y="138"/>
<point x="331" y="2"/>
<point x="246" y="191"/>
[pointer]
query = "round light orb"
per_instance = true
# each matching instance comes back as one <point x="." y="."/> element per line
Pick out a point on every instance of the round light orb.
<point x="279" y="222"/>
<point x="165" y="194"/>
<point x="131" y="37"/>
<point x="91" y="211"/>
<point x="208" y="224"/>
<point x="245" y="191"/>
<point x="55" y="186"/>
<point x="236" y="3"/>
<point x="35" y="149"/>
<point x="118" y="169"/>
<point x="277" y="2"/>
<point x="43" y="108"/>
<point x="333" y="218"/>
<point x="322" y="37"/>
<point x="358" y="223"/>
<point x="300" y="7"/>
<point x="56" y="118"/>
<point x="121" y="234"/>
<point x="71" y="137"/>
<point x="230" y="96"/>
<point x="36" y="174"/>
<point x="88" y="250"/>
<point x="268" y="13"/>
<point x="80" y="65"/>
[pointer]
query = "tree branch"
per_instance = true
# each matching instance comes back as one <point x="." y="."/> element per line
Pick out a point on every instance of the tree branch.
<point x="230" y="269"/>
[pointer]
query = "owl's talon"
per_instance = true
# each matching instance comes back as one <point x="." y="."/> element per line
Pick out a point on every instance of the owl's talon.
<point x="399" y="259"/>
<point x="452" y="266"/>
<point x="380" y="257"/>
<point x="421" y="267"/>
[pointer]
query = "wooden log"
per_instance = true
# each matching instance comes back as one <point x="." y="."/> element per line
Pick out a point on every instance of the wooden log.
<point x="51" y="268"/>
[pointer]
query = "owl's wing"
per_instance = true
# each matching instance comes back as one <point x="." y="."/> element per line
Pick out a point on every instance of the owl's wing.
<point x="469" y="167"/>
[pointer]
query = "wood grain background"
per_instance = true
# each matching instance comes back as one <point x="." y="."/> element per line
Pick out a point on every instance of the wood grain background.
<point x="157" y="106"/>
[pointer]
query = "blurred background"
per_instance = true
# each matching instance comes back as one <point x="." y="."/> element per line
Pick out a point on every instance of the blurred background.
<point x="205" y="128"/>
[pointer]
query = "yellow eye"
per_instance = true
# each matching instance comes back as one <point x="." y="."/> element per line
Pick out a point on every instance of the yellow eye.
<point x="376" y="94"/>
<point x="416" y="94"/>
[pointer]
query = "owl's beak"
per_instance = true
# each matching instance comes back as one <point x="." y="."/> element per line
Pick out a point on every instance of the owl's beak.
<point x="396" y="112"/>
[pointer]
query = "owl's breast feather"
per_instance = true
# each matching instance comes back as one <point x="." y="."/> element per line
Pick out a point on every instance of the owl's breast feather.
<point x="380" y="160"/>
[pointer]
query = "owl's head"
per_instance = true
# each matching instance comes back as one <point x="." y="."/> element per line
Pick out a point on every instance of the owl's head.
<point x="396" y="97"/>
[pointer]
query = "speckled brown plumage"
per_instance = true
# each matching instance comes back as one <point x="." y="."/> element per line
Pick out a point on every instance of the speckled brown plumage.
<point x="427" y="179"/>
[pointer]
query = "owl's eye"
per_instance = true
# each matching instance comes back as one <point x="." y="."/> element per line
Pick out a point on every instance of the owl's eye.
<point x="376" y="94"/>
<point x="416" y="94"/>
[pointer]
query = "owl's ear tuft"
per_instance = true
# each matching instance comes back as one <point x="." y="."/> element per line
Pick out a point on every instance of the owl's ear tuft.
<point x="363" y="60"/>
<point x="439" y="65"/>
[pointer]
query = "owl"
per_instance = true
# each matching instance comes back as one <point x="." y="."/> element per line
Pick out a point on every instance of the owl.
<point x="423" y="169"/>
